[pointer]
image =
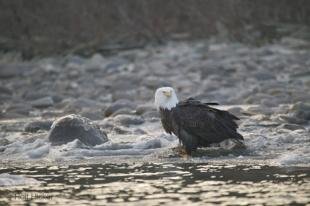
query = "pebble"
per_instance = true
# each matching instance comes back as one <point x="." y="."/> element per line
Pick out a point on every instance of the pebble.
<point x="120" y="130"/>
<point x="71" y="127"/>
<point x="291" y="126"/>
<point x="127" y="120"/>
<point x="43" y="102"/>
<point x="152" y="116"/>
<point x="5" y="90"/>
<point x="38" y="125"/>
<point x="10" y="70"/>
<point x="117" y="105"/>
<point x="301" y="110"/>
<point x="123" y="111"/>
<point x="92" y="114"/>
<point x="153" y="82"/>
<point x="4" y="141"/>
<point x="237" y="111"/>
<point x="19" y="108"/>
<point x="141" y="109"/>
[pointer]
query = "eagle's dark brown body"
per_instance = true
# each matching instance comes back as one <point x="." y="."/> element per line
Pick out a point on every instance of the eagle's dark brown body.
<point x="198" y="125"/>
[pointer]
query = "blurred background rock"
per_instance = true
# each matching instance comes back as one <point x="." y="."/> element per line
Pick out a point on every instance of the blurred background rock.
<point x="43" y="28"/>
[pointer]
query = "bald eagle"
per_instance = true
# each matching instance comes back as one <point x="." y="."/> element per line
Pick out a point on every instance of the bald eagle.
<point x="196" y="124"/>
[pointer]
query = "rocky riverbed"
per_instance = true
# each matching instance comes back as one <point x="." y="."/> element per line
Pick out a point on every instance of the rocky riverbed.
<point x="268" y="87"/>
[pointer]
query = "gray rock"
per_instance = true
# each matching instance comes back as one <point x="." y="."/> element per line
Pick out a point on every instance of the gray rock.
<point x="120" y="130"/>
<point x="124" y="94"/>
<point x="153" y="82"/>
<point x="6" y="91"/>
<point x="301" y="110"/>
<point x="123" y="111"/>
<point x="20" y="109"/>
<point x="4" y="98"/>
<point x="263" y="76"/>
<point x="292" y="119"/>
<point x="141" y="109"/>
<point x="291" y="126"/>
<point x="237" y="111"/>
<point x="38" y="125"/>
<point x="43" y="102"/>
<point x="10" y="70"/>
<point x="71" y="127"/>
<point x="269" y="102"/>
<point x="139" y="132"/>
<point x="152" y="116"/>
<point x="259" y="110"/>
<point x="92" y="114"/>
<point x="127" y="120"/>
<point x="35" y="95"/>
<point x="119" y="104"/>
<point x="4" y="142"/>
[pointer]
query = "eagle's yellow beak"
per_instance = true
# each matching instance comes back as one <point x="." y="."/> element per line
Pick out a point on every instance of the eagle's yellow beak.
<point x="167" y="93"/>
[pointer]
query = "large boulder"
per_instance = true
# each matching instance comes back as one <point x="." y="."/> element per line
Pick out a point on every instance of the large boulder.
<point x="71" y="127"/>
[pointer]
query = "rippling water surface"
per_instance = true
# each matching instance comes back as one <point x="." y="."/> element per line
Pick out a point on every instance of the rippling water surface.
<point x="155" y="184"/>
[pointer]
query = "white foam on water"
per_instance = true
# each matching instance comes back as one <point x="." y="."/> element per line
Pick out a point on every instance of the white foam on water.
<point x="12" y="180"/>
<point x="141" y="146"/>
<point x="293" y="158"/>
<point x="281" y="146"/>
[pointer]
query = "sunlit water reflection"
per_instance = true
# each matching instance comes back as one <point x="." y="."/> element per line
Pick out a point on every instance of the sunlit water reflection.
<point x="162" y="183"/>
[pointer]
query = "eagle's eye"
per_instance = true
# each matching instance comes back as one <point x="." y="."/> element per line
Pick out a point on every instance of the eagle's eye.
<point x="167" y="93"/>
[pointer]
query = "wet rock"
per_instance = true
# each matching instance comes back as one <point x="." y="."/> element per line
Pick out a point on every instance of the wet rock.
<point x="263" y="76"/>
<point x="76" y="105"/>
<point x="149" y="144"/>
<point x="32" y="95"/>
<point x="18" y="109"/>
<point x="291" y="126"/>
<point x="123" y="94"/>
<point x="257" y="97"/>
<point x="141" y="109"/>
<point x="291" y="119"/>
<point x="139" y="132"/>
<point x="6" y="91"/>
<point x="38" y="125"/>
<point x="119" y="104"/>
<point x="152" y="116"/>
<point x="301" y="110"/>
<point x="153" y="82"/>
<point x="259" y="110"/>
<point x="127" y="120"/>
<point x="92" y="114"/>
<point x="120" y="130"/>
<point x="124" y="82"/>
<point x="118" y="64"/>
<point x="43" y="102"/>
<point x="123" y="111"/>
<point x="237" y="111"/>
<point x="4" y="142"/>
<point x="10" y="70"/>
<point x="51" y="113"/>
<point x="71" y="127"/>
<point x="269" y="102"/>
<point x="4" y="98"/>
<point x="96" y="62"/>
<point x="11" y="115"/>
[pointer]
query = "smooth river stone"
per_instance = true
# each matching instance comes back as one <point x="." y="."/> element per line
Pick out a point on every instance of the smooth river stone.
<point x="71" y="127"/>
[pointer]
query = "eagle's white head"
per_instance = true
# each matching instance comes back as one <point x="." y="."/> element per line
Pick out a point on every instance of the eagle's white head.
<point x="165" y="98"/>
